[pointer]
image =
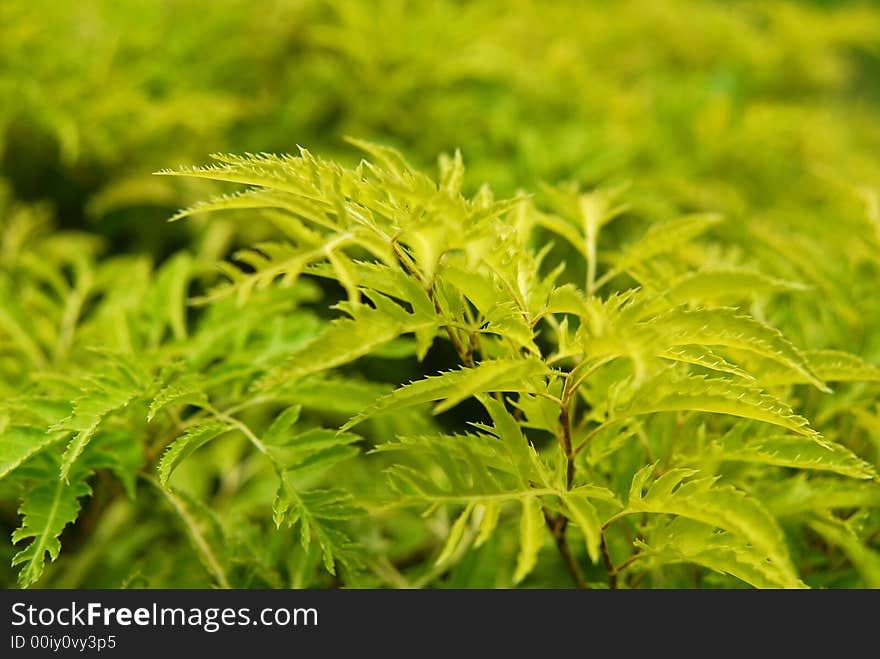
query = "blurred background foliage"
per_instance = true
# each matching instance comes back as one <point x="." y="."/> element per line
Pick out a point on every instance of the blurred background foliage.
<point x="767" y="112"/>
<point x="764" y="111"/>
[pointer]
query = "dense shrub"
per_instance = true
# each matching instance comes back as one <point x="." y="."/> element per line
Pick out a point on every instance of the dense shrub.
<point x="635" y="346"/>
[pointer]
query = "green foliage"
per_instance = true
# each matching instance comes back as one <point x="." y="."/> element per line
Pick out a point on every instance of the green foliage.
<point x="354" y="373"/>
<point x="46" y="510"/>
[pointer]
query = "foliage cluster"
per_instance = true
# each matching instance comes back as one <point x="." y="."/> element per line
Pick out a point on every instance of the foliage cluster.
<point x="649" y="358"/>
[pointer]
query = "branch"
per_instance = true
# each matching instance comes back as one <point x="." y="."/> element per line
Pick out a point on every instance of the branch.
<point x="558" y="526"/>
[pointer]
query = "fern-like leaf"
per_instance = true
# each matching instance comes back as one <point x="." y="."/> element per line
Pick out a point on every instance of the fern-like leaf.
<point x="46" y="510"/>
<point x="726" y="327"/>
<point x="319" y="512"/>
<point x="455" y="386"/>
<point x="20" y="443"/>
<point x="584" y="514"/>
<point x="719" y="395"/>
<point x="663" y="237"/>
<point x="113" y="387"/>
<point x="720" y="284"/>
<point x="677" y="492"/>
<point x="703" y="356"/>
<point x="683" y="540"/>
<point x="178" y="393"/>
<point x="746" y="445"/>
<point x="184" y="446"/>
<point x="349" y="339"/>
<point x="531" y="537"/>
<point x="800" y="495"/>
<point x="830" y="365"/>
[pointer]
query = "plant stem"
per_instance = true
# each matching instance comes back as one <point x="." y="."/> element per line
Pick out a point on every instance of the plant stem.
<point x="632" y="559"/>
<point x="565" y="421"/>
<point x="609" y="565"/>
<point x="558" y="526"/>
<point x="465" y="354"/>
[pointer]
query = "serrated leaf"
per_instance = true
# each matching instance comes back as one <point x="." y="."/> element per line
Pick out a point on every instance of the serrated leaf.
<point x="282" y="510"/>
<point x="640" y="480"/>
<point x="315" y="450"/>
<point x="451" y="172"/>
<point x="279" y="432"/>
<point x="478" y="287"/>
<point x="177" y="393"/>
<point x="500" y="311"/>
<point x="742" y="444"/>
<point x="391" y="159"/>
<point x="456" y="533"/>
<point x="567" y="299"/>
<point x="387" y="280"/>
<point x="839" y="366"/>
<point x="115" y="383"/>
<point x="182" y="447"/>
<point x="266" y="173"/>
<point x="713" y="284"/>
<point x="478" y="468"/>
<point x="46" y="510"/>
<point x="703" y="356"/>
<point x="346" y="340"/>
<point x="491" y="511"/>
<point x="251" y="199"/>
<point x="727" y="327"/>
<point x="677" y="492"/>
<point x="119" y="451"/>
<point x="830" y="365"/>
<point x="800" y="495"/>
<point x="20" y="443"/>
<point x="538" y="412"/>
<point x="508" y="431"/>
<point x="685" y="540"/>
<point x="87" y="416"/>
<point x="455" y="386"/>
<point x="531" y="537"/>
<point x="327" y="393"/>
<point x="169" y="294"/>
<point x="317" y="439"/>
<point x="660" y="238"/>
<point x="564" y="229"/>
<point x="584" y="514"/>
<point x="316" y="512"/>
<point x="323" y="459"/>
<point x="718" y="395"/>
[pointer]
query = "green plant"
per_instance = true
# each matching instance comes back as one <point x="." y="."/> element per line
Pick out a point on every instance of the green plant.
<point x="609" y="388"/>
<point x="749" y="133"/>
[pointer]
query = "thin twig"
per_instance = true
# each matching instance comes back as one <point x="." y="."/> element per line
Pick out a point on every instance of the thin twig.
<point x="557" y="526"/>
<point x="609" y="565"/>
